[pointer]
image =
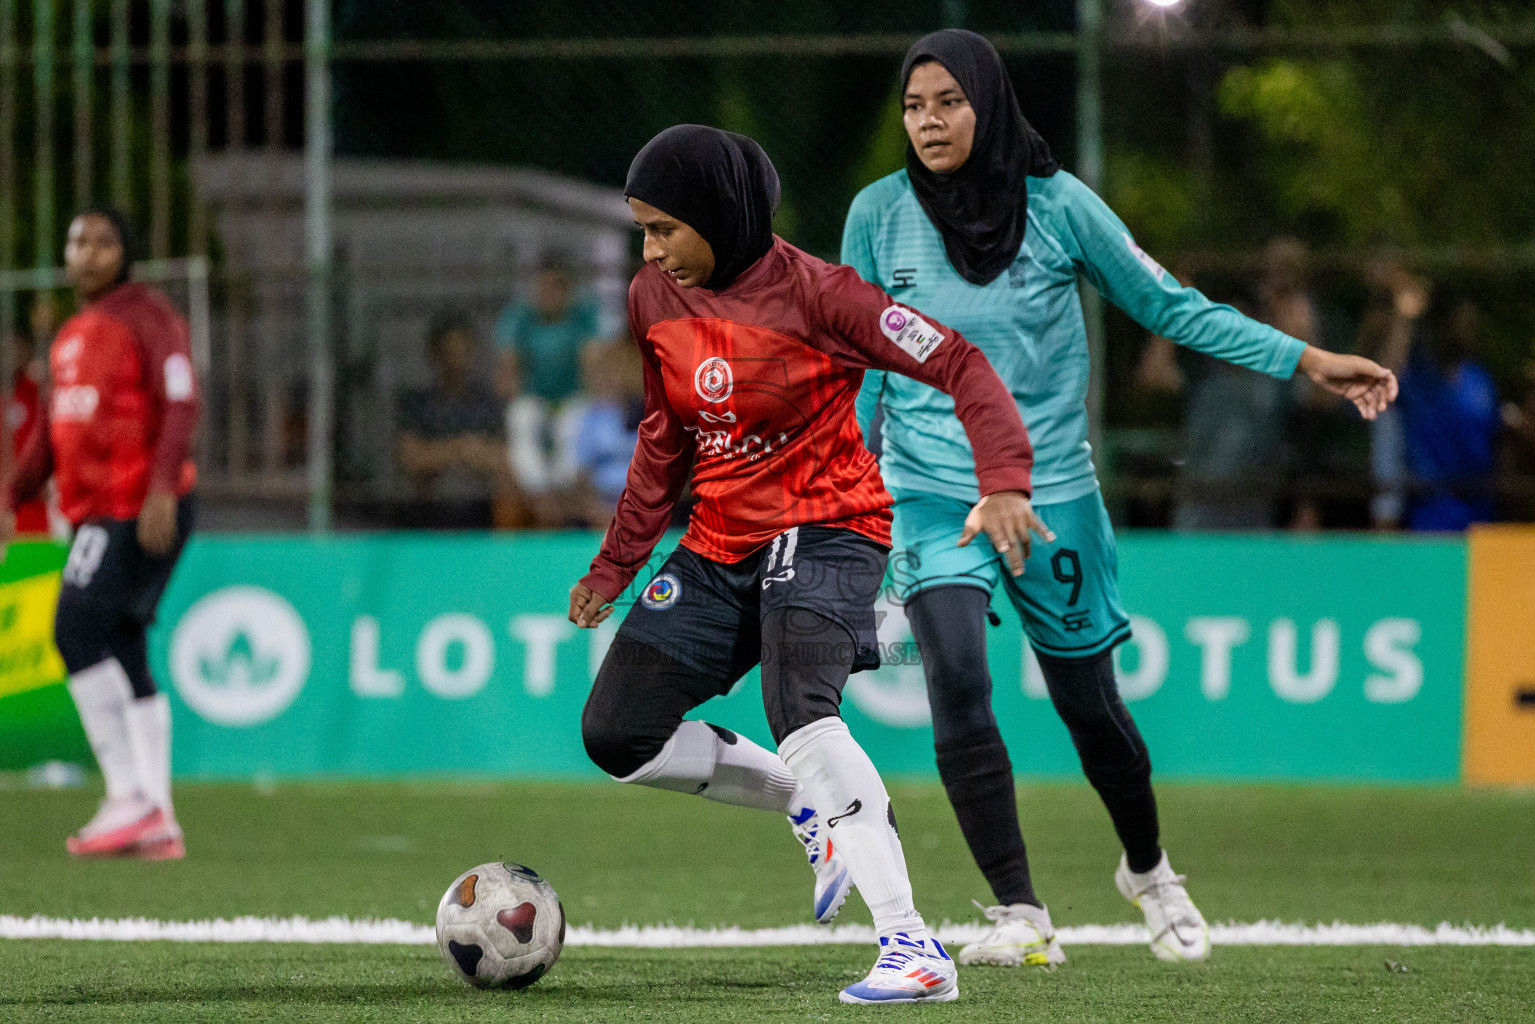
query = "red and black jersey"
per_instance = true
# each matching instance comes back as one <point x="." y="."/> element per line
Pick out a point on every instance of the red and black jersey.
<point x="119" y="418"/>
<point x="752" y="390"/>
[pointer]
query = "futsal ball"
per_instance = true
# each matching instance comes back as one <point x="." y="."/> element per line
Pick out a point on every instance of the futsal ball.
<point x="500" y="926"/>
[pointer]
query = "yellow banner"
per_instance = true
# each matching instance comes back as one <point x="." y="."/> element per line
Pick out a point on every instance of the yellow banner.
<point x="1500" y="656"/>
<point x="28" y="658"/>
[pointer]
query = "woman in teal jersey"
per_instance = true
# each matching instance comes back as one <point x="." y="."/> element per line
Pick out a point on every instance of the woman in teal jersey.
<point x="985" y="231"/>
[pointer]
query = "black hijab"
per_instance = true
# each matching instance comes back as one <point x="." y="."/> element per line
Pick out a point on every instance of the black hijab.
<point x="982" y="208"/>
<point x="718" y="183"/>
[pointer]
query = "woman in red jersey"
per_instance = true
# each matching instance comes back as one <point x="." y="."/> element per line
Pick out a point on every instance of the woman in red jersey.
<point x="116" y="434"/>
<point x="753" y="353"/>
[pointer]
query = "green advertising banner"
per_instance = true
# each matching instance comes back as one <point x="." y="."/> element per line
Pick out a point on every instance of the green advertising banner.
<point x="383" y="655"/>
<point x="37" y="718"/>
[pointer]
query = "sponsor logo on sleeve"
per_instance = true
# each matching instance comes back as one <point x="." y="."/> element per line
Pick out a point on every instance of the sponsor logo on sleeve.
<point x="178" y="378"/>
<point x="911" y="334"/>
<point x="1145" y="258"/>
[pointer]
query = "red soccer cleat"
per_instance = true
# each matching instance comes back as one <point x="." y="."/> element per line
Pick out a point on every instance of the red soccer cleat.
<point x="164" y="843"/>
<point x="105" y="837"/>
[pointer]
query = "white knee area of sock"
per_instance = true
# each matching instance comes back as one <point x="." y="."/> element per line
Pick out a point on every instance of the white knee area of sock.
<point x="750" y="776"/>
<point x="854" y="807"/>
<point x="684" y="763"/>
<point x="102" y="694"/>
<point x="698" y="761"/>
<point x="149" y="733"/>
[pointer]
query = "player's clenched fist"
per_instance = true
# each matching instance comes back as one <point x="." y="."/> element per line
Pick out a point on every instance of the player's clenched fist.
<point x="587" y="607"/>
<point x="1008" y="519"/>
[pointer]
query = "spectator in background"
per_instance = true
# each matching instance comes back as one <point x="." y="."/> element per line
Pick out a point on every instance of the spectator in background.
<point x="450" y="437"/>
<point x="1450" y="420"/>
<point x="21" y="411"/>
<point x="1285" y="301"/>
<point x="1516" y="465"/>
<point x="1396" y="302"/>
<point x="544" y="334"/>
<point x="1233" y="430"/>
<point x="602" y="431"/>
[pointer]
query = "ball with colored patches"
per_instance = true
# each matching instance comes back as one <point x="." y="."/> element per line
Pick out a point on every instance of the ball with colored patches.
<point x="500" y="926"/>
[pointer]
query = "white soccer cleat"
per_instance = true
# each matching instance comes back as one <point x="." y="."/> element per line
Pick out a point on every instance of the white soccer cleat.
<point x="907" y="971"/>
<point x="1022" y="936"/>
<point x="832" y="880"/>
<point x="1178" y="930"/>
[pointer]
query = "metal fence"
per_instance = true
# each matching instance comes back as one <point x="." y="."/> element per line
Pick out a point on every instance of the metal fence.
<point x="476" y="138"/>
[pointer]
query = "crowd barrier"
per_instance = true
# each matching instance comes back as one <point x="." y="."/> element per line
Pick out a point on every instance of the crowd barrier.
<point x="1261" y="657"/>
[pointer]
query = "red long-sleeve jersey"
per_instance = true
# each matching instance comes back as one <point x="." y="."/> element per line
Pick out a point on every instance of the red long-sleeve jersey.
<point x="31" y="516"/>
<point x="120" y="416"/>
<point x="752" y="390"/>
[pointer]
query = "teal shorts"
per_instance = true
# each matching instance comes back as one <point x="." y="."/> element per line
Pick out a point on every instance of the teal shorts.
<point x="1068" y="595"/>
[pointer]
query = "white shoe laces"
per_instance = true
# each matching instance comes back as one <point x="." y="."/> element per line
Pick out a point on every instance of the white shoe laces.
<point x="1171" y="894"/>
<point x="1003" y="915"/>
<point x="808" y="835"/>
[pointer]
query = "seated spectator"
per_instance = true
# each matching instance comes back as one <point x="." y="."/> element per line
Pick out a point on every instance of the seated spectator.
<point x="1450" y="420"/>
<point x="604" y="430"/>
<point x="544" y="334"/>
<point x="450" y="437"/>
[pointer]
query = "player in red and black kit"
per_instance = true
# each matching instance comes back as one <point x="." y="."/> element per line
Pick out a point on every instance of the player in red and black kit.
<point x="753" y="353"/>
<point x="32" y="516"/>
<point x="116" y="435"/>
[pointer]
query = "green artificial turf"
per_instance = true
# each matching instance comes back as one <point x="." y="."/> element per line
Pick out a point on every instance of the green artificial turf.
<point x="618" y="854"/>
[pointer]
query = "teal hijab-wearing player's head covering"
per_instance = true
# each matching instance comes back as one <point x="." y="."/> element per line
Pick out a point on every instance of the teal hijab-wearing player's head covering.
<point x="982" y="208"/>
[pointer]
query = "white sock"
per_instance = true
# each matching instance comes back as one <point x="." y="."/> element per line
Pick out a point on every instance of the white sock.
<point x="699" y="760"/>
<point x="149" y="734"/>
<point x="845" y="787"/>
<point x="102" y="694"/>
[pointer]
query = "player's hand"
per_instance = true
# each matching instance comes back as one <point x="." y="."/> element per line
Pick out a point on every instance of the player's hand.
<point x="1007" y="518"/>
<point x="157" y="522"/>
<point x="7" y="531"/>
<point x="587" y="607"/>
<point x="1370" y="386"/>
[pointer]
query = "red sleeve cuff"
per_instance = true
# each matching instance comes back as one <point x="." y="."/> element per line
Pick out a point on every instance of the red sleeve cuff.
<point x="606" y="580"/>
<point x="1006" y="478"/>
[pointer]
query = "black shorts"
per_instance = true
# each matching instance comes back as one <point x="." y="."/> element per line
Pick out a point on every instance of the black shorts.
<point x="708" y="614"/>
<point x="110" y="574"/>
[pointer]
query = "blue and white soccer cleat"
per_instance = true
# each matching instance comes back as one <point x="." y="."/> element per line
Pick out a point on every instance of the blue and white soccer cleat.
<point x="907" y="971"/>
<point x="832" y="880"/>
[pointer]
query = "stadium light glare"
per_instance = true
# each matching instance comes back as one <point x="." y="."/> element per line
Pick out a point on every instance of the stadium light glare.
<point x="1163" y="3"/>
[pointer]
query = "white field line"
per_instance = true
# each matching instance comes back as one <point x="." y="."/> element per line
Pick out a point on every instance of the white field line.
<point x="345" y="931"/>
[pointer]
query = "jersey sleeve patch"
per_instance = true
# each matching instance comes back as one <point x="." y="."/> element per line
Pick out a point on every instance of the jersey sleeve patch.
<point x="1145" y="259"/>
<point x="178" y="378"/>
<point x="912" y="334"/>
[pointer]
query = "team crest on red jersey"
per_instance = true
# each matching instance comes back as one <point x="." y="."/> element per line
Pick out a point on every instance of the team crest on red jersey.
<point x="713" y="380"/>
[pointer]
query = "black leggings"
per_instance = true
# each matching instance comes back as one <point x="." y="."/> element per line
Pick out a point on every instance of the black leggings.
<point x="641" y="693"/>
<point x="86" y="635"/>
<point x="949" y="624"/>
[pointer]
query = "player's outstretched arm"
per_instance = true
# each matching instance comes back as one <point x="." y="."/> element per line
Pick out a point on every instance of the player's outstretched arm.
<point x="1007" y="517"/>
<point x="1370" y="386"/>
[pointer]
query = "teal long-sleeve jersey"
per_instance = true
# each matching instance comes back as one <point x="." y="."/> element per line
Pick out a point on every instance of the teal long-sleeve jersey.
<point x="1028" y="322"/>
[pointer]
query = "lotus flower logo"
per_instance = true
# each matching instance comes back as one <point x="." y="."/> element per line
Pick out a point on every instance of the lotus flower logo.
<point x="240" y="656"/>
